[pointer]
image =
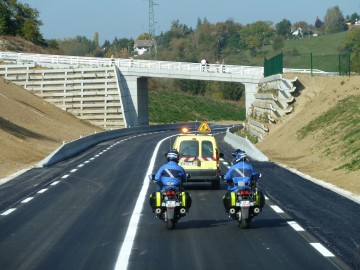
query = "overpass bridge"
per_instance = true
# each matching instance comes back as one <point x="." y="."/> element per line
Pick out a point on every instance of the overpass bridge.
<point x="111" y="93"/>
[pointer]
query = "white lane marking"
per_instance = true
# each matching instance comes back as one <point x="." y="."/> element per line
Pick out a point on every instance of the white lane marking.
<point x="277" y="209"/>
<point x="7" y="212"/>
<point x="323" y="250"/>
<point x="42" y="190"/>
<point x="73" y="170"/>
<point x="27" y="200"/>
<point x="296" y="226"/>
<point x="80" y="165"/>
<point x="65" y="176"/>
<point x="125" y="251"/>
<point x="55" y="183"/>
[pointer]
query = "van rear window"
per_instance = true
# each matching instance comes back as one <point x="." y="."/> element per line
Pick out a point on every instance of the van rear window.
<point x="189" y="149"/>
<point x="207" y="149"/>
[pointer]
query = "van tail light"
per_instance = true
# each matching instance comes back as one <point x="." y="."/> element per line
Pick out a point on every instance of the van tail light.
<point x="217" y="156"/>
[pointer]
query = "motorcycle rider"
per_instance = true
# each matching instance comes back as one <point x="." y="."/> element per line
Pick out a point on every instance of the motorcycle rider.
<point x="170" y="171"/>
<point x="242" y="172"/>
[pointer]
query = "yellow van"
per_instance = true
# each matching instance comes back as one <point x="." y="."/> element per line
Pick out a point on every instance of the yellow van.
<point x="199" y="155"/>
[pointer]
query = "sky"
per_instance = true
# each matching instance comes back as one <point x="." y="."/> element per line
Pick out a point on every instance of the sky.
<point x="129" y="18"/>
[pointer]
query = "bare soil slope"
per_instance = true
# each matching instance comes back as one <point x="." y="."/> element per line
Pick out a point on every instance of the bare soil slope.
<point x="319" y="94"/>
<point x="30" y="128"/>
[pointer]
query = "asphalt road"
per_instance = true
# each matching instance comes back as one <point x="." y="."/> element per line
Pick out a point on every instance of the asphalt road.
<point x="79" y="214"/>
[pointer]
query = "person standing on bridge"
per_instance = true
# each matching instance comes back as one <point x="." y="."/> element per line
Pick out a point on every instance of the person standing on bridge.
<point x="203" y="64"/>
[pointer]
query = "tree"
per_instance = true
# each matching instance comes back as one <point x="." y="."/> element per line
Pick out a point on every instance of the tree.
<point x="283" y="28"/>
<point x="352" y="45"/>
<point x="318" y="23"/>
<point x="29" y="24"/>
<point x="278" y="43"/>
<point x="20" y="19"/>
<point x="5" y="20"/>
<point x="334" y="21"/>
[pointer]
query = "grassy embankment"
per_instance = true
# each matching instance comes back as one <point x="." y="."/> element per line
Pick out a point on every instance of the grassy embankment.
<point x="340" y="130"/>
<point x="168" y="107"/>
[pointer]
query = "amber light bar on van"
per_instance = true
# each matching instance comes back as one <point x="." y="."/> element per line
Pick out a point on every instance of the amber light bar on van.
<point x="184" y="130"/>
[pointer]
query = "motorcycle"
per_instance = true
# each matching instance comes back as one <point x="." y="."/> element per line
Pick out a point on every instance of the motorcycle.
<point x="244" y="202"/>
<point x="171" y="203"/>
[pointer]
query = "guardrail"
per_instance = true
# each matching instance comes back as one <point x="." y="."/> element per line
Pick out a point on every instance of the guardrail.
<point x="49" y="59"/>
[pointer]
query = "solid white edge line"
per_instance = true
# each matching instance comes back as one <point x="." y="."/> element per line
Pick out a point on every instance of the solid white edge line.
<point x="125" y="251"/>
<point x="7" y="212"/>
<point x="323" y="250"/>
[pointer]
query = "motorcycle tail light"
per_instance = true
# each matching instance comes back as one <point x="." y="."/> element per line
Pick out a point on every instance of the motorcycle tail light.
<point x="244" y="192"/>
<point x="170" y="193"/>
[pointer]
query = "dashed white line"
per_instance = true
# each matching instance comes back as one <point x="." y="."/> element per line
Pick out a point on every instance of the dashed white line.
<point x="73" y="170"/>
<point x="7" y="212"/>
<point x="42" y="190"/>
<point x="55" y="183"/>
<point x="27" y="200"/>
<point x="296" y="226"/>
<point x="277" y="209"/>
<point x="65" y="176"/>
<point x="323" y="250"/>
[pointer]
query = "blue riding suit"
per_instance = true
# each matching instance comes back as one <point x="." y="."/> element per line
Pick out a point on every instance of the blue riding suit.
<point x="240" y="172"/>
<point x="170" y="174"/>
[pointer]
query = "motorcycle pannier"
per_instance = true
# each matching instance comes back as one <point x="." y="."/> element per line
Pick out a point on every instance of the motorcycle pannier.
<point x="186" y="199"/>
<point x="155" y="199"/>
<point x="260" y="199"/>
<point x="229" y="199"/>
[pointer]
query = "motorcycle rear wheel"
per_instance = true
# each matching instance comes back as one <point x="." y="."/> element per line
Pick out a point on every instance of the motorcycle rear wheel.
<point x="170" y="224"/>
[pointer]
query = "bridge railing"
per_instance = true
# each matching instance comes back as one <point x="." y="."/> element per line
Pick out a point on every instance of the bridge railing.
<point x="127" y="63"/>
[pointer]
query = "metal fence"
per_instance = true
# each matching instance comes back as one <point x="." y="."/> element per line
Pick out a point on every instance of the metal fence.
<point x="338" y="64"/>
<point x="273" y="65"/>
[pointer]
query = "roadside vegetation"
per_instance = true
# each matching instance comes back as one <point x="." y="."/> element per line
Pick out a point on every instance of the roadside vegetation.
<point x="339" y="128"/>
<point x="168" y="107"/>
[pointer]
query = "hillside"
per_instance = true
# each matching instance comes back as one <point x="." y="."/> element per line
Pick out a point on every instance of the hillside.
<point x="30" y="128"/>
<point x="321" y="152"/>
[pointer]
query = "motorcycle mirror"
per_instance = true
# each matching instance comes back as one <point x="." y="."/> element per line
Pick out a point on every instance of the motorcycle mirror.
<point x="188" y="176"/>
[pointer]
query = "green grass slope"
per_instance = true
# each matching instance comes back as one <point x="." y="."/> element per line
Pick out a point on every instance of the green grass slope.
<point x="168" y="107"/>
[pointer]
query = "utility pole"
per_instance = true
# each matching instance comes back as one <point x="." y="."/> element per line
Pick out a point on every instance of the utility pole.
<point x="152" y="22"/>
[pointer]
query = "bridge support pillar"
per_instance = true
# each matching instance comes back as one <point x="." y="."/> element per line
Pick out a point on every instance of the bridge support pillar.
<point x="134" y="99"/>
<point x="250" y="91"/>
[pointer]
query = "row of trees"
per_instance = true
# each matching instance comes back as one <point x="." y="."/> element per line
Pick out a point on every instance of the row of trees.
<point x="228" y="42"/>
<point x="22" y="20"/>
